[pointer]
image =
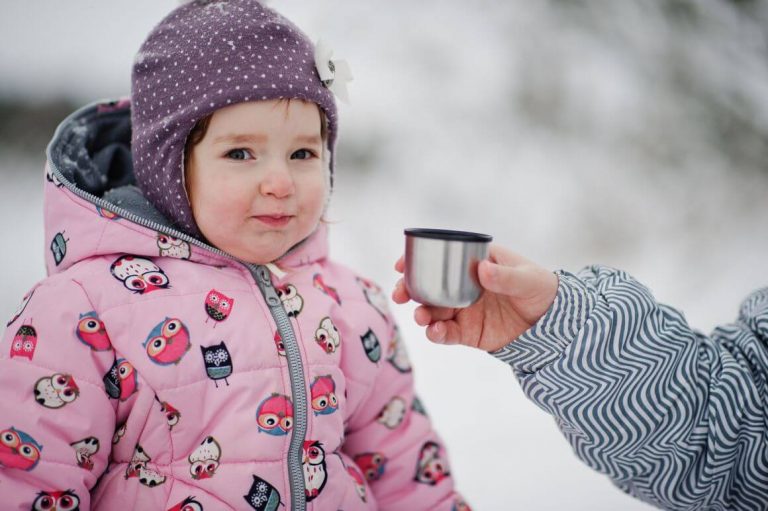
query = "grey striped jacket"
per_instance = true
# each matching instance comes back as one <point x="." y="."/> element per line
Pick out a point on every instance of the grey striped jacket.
<point x="673" y="417"/>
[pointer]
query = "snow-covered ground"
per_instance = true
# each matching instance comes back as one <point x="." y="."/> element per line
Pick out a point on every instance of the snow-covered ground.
<point x="623" y="136"/>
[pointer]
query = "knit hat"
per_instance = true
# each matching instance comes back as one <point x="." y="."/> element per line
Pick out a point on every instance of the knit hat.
<point x="205" y="55"/>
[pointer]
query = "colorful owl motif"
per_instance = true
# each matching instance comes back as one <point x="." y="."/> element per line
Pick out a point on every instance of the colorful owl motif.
<point x="122" y="380"/>
<point x="56" y="391"/>
<point x="51" y="177"/>
<point x="59" y="247"/>
<point x="139" y="275"/>
<point x="375" y="296"/>
<point x="92" y="332"/>
<point x="218" y="362"/>
<point x="105" y="213"/>
<point x="460" y="505"/>
<point x="371" y="346"/>
<point x="262" y="496"/>
<point x="218" y="306"/>
<point x="372" y="464"/>
<point x="24" y="343"/>
<point x="279" y="344"/>
<point x="359" y="480"/>
<point x="327" y="336"/>
<point x="21" y="307"/>
<point x="172" y="415"/>
<point x="418" y="407"/>
<point x="188" y="504"/>
<point x="393" y="413"/>
<point x="18" y="450"/>
<point x="323" y="391"/>
<point x="119" y="433"/>
<point x="315" y="474"/>
<point x="317" y="281"/>
<point x="275" y="415"/>
<point x="173" y="247"/>
<point x="168" y="342"/>
<point x="292" y="300"/>
<point x="204" y="460"/>
<point x="432" y="467"/>
<point x="84" y="450"/>
<point x="398" y="356"/>
<point x="66" y="500"/>
<point x="138" y="468"/>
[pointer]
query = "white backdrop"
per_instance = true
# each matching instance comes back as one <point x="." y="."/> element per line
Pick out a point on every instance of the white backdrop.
<point x="566" y="133"/>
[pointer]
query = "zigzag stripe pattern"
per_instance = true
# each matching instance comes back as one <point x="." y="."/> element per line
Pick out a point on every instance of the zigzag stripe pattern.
<point x="675" y="418"/>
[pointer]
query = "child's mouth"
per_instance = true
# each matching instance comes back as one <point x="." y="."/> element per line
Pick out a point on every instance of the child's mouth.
<point x="274" y="220"/>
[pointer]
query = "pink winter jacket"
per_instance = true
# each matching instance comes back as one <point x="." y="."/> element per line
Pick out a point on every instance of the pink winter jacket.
<point x="151" y="371"/>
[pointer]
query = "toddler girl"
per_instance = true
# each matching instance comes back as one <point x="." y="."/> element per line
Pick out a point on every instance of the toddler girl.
<point x="193" y="346"/>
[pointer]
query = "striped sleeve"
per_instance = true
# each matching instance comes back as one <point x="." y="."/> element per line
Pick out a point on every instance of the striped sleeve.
<point x="675" y="418"/>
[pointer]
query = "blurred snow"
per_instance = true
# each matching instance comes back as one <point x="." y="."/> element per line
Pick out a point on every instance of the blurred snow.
<point x="625" y="133"/>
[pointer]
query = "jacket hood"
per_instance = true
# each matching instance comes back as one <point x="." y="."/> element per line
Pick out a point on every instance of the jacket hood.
<point x="92" y="206"/>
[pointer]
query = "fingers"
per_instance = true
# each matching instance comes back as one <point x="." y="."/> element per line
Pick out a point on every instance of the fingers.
<point x="444" y="332"/>
<point x="400" y="294"/>
<point x="400" y="265"/>
<point x="525" y="280"/>
<point x="424" y="315"/>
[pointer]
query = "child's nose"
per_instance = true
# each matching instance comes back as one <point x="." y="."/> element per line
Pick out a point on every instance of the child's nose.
<point x="277" y="182"/>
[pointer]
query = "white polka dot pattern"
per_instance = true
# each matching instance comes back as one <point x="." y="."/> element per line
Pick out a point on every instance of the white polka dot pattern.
<point x="203" y="56"/>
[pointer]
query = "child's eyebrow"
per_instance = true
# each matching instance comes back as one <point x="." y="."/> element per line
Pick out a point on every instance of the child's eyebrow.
<point x="309" y="139"/>
<point x="235" y="138"/>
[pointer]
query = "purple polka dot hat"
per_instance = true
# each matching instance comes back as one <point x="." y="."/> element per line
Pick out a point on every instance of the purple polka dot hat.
<point x="205" y="55"/>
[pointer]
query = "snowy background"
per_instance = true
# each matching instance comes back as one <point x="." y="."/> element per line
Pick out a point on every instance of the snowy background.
<point x="633" y="134"/>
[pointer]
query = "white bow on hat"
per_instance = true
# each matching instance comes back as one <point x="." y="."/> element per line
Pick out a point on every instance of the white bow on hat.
<point x="335" y="74"/>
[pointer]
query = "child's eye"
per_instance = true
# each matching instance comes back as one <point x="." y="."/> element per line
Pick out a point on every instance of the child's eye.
<point x="239" y="154"/>
<point x="302" y="154"/>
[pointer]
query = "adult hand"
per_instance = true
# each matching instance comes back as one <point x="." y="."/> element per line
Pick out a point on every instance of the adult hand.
<point x="516" y="293"/>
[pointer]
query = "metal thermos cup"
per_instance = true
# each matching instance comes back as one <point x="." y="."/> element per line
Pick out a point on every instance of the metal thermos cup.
<point x="441" y="266"/>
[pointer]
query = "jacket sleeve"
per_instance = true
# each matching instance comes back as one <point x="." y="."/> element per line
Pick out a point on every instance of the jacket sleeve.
<point x="56" y="420"/>
<point x="672" y="416"/>
<point x="388" y="435"/>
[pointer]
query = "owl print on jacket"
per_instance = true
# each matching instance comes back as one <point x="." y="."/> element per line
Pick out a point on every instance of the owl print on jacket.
<point x="432" y="466"/>
<point x="188" y="504"/>
<point x="372" y="465"/>
<point x="204" y="460"/>
<point x="315" y="474"/>
<point x="138" y="274"/>
<point x="173" y="247"/>
<point x="327" y="336"/>
<point x="393" y="413"/>
<point x="119" y="433"/>
<point x="24" y="343"/>
<point x="292" y="300"/>
<point x="56" y="391"/>
<point x="172" y="415"/>
<point x="262" y="496"/>
<point x="274" y="415"/>
<point x="92" y="332"/>
<point x="323" y="392"/>
<point x="22" y="306"/>
<point x="359" y="481"/>
<point x="59" y="247"/>
<point x="168" y="342"/>
<point x="138" y="468"/>
<point x="218" y="362"/>
<point x="66" y="500"/>
<point x="84" y="449"/>
<point x="18" y="450"/>
<point x="279" y="344"/>
<point x="371" y="346"/>
<point x="374" y="295"/>
<point x="317" y="281"/>
<point x="122" y="380"/>
<point x="218" y="306"/>
<point x="398" y="356"/>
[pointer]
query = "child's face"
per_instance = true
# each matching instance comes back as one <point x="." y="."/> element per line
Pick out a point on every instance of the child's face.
<point x="256" y="181"/>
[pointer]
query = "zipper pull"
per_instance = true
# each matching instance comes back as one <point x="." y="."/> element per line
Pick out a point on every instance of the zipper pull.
<point x="266" y="284"/>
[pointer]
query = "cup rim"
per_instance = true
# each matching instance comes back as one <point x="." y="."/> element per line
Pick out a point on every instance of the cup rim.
<point x="449" y="235"/>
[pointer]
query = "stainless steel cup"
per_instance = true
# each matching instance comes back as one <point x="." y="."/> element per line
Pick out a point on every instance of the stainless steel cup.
<point x="441" y="266"/>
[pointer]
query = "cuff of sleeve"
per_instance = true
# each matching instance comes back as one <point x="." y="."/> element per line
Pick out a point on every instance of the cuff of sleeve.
<point x="558" y="327"/>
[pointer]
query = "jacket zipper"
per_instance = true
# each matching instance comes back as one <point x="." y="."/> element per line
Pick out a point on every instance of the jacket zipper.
<point x="261" y="275"/>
